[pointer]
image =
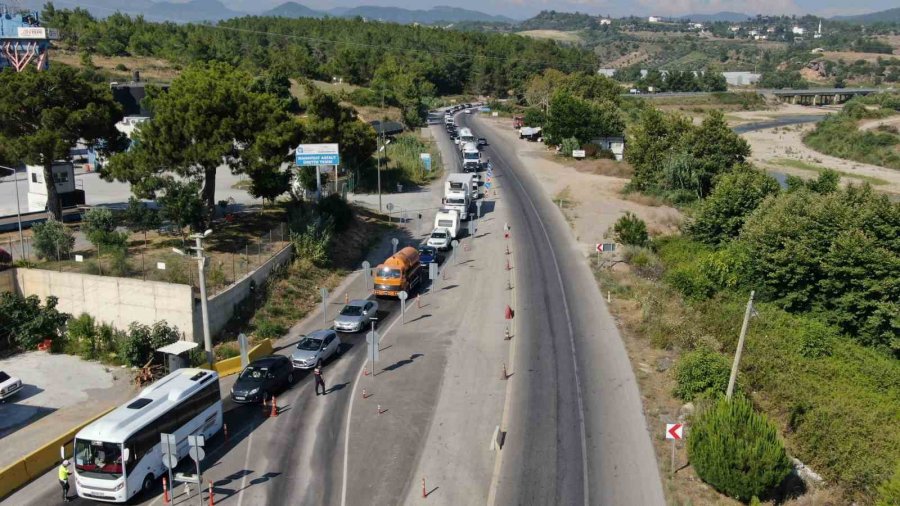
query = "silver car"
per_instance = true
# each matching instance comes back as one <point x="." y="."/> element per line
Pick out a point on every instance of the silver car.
<point x="355" y="315"/>
<point x="316" y="348"/>
<point x="9" y="386"/>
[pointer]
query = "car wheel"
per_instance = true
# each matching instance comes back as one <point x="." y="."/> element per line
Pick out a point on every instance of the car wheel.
<point x="319" y="363"/>
<point x="147" y="486"/>
<point x="290" y="378"/>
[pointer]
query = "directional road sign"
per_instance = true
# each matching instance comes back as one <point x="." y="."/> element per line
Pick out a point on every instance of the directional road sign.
<point x="197" y="453"/>
<point x="432" y="271"/>
<point x="389" y="206"/>
<point x="478" y="208"/>
<point x="311" y="155"/>
<point x="674" y="431"/>
<point x="454" y="243"/>
<point x="170" y="460"/>
<point x="607" y="246"/>
<point x="394" y="243"/>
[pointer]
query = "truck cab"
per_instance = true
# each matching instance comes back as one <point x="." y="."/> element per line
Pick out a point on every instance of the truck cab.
<point x="471" y="157"/>
<point x="402" y="271"/>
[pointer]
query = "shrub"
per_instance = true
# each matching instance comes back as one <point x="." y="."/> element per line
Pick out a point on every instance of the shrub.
<point x="137" y="348"/>
<point x="737" y="450"/>
<point x="312" y="243"/>
<point x="889" y="491"/>
<point x="631" y="230"/>
<point x="118" y="265"/>
<point x="701" y="372"/>
<point x="691" y="282"/>
<point x="644" y="262"/>
<point x="24" y="322"/>
<point x="338" y="210"/>
<point x="82" y="336"/>
<point x="99" y="226"/>
<point x="52" y="240"/>
<point x="568" y="145"/>
<point x="267" y="329"/>
<point x="227" y="350"/>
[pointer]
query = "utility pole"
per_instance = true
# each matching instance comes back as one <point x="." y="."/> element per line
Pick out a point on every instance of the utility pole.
<point x="382" y="147"/>
<point x="204" y="310"/>
<point x="740" y="347"/>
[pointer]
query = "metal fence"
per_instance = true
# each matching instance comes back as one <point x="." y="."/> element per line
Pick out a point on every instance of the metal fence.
<point x="230" y="258"/>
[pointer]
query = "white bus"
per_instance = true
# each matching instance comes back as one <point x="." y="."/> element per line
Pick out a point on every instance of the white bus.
<point x="186" y="402"/>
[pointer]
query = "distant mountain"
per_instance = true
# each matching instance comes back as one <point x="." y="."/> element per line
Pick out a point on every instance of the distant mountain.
<point x="194" y="10"/>
<point x="431" y="16"/>
<point x="730" y="17"/>
<point x="888" y="16"/>
<point x="293" y="10"/>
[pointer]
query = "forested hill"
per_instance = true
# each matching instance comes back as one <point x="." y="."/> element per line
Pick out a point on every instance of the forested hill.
<point x="353" y="49"/>
<point x="553" y="20"/>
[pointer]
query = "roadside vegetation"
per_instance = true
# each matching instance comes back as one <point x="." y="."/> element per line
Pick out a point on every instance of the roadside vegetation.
<point x="839" y="134"/>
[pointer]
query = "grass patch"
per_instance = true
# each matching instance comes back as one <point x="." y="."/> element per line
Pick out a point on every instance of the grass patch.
<point x="818" y="169"/>
<point x="740" y="101"/>
<point x="402" y="164"/>
<point x="558" y="35"/>
<point x="839" y="136"/>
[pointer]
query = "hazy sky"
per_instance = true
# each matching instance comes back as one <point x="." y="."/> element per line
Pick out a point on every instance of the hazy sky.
<point x="527" y="8"/>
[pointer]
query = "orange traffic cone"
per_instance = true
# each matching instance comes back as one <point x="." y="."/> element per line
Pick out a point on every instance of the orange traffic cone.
<point x="274" y="411"/>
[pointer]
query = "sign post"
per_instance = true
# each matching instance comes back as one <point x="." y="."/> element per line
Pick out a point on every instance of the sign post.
<point x="317" y="155"/>
<point x="478" y="209"/>
<point x="394" y="243"/>
<point x="169" y="449"/>
<point x="433" y="274"/>
<point x="196" y="452"/>
<point x="426" y="159"/>
<point x="605" y="247"/>
<point x="245" y="356"/>
<point x="402" y="296"/>
<point x="455" y="244"/>
<point x="390" y="207"/>
<point x="366" y="266"/>
<point x="674" y="431"/>
<point x="372" y="341"/>
<point x="324" y="293"/>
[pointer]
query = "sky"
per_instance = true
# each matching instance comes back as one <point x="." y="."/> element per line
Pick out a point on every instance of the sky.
<point x="521" y="9"/>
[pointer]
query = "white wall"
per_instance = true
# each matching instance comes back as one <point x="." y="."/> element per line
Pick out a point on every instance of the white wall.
<point x="116" y="301"/>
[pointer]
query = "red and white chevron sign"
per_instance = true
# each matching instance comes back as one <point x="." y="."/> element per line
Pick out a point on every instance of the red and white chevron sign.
<point x="674" y="431"/>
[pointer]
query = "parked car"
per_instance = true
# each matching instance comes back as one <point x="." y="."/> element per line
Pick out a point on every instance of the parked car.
<point x="316" y="348"/>
<point x="440" y="239"/>
<point x="9" y="386"/>
<point x="263" y="378"/>
<point x="355" y="315"/>
<point x="429" y="255"/>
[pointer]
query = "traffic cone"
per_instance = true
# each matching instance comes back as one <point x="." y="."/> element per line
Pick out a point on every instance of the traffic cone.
<point x="274" y="412"/>
<point x="225" y="428"/>
<point x="424" y="493"/>
<point x="165" y="491"/>
<point x="507" y="249"/>
<point x="212" y="500"/>
<point x="365" y="371"/>
<point x="507" y="265"/>
<point x="508" y="313"/>
<point x="365" y="394"/>
<point x="507" y="334"/>
<point x="346" y="298"/>
<point x="505" y="375"/>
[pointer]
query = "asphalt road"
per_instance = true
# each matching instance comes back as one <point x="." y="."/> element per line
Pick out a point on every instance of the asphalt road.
<point x="576" y="431"/>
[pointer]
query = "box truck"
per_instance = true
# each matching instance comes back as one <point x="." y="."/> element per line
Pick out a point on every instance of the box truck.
<point x="402" y="271"/>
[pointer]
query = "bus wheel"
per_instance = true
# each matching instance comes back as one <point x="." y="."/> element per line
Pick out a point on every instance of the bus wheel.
<point x="148" y="484"/>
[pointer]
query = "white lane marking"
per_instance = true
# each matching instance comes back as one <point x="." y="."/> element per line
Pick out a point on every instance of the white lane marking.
<point x="350" y="415"/>
<point x="246" y="466"/>
<point x="571" y="336"/>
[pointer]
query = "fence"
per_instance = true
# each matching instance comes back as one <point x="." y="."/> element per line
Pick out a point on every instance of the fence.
<point x="231" y="256"/>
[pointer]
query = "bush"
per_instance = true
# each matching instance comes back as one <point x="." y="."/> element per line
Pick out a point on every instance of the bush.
<point x="568" y="145"/>
<point x="737" y="450"/>
<point x="312" y="243"/>
<point x="267" y="329"/>
<point x="52" y="240"/>
<point x="81" y="335"/>
<point x="700" y="373"/>
<point x="631" y="230"/>
<point x="99" y="226"/>
<point x="137" y="348"/>
<point x="889" y="491"/>
<point x="644" y="262"/>
<point x="338" y="210"/>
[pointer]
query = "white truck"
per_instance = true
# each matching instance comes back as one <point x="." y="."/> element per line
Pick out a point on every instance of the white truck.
<point x="465" y="137"/>
<point x="460" y="181"/>
<point x="471" y="157"/>
<point x="448" y="219"/>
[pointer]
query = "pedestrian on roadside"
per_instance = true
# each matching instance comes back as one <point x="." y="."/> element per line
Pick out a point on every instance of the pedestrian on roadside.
<point x="64" y="479"/>
<point x="320" y="380"/>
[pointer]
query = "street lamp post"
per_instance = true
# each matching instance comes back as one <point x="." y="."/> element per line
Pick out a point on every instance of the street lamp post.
<point x="204" y="309"/>
<point x="18" y="207"/>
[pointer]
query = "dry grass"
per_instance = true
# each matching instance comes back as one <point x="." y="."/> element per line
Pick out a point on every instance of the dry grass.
<point x="559" y="35"/>
<point x="151" y="69"/>
<point x="644" y="200"/>
<point x="851" y="56"/>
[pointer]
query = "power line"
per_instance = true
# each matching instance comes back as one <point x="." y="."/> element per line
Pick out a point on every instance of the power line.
<point x="160" y="19"/>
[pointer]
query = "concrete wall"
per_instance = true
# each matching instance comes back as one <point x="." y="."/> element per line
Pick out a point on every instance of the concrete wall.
<point x="7" y="281"/>
<point x="117" y="301"/>
<point x="221" y="306"/>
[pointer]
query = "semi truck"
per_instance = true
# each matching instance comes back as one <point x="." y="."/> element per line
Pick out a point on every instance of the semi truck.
<point x="402" y="271"/>
<point x="459" y="193"/>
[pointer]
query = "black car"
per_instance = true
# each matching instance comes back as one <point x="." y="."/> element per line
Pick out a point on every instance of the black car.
<point x="263" y="378"/>
<point x="482" y="141"/>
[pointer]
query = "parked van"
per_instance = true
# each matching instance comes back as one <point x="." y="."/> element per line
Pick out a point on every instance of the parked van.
<point x="448" y="219"/>
<point x="402" y="271"/>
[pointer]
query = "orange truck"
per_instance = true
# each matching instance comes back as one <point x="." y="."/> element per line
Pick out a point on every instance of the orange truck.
<point x="401" y="272"/>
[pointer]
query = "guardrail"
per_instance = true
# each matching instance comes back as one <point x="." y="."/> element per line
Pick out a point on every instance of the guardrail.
<point x="43" y="459"/>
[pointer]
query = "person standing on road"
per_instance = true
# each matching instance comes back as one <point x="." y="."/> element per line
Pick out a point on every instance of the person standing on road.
<point x="64" y="479"/>
<point x="320" y="380"/>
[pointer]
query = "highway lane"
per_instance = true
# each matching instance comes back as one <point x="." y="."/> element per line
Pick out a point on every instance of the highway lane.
<point x="576" y="432"/>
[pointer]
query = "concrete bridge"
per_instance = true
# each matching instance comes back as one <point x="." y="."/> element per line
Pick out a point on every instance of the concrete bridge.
<point x="819" y="96"/>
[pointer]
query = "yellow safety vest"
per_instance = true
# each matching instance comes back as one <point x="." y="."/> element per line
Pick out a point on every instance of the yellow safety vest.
<point x="63" y="473"/>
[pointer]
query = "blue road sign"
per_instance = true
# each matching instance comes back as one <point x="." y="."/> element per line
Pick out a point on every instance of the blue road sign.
<point x="311" y="155"/>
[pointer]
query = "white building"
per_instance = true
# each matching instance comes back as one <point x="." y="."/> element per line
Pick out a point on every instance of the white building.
<point x="129" y="124"/>
<point x="606" y="72"/>
<point x="604" y="21"/>
<point x="654" y="19"/>
<point x="697" y="26"/>
<point x="741" y="78"/>
<point x="63" y="174"/>
<point x="734" y="28"/>
<point x="614" y="144"/>
<point x="797" y="30"/>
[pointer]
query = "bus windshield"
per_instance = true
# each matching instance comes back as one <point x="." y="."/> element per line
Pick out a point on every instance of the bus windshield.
<point x="97" y="459"/>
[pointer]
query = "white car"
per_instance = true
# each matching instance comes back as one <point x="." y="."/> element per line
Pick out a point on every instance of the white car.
<point x="440" y="239"/>
<point x="9" y="386"/>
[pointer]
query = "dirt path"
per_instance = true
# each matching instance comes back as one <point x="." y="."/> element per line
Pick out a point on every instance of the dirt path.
<point x="591" y="202"/>
<point x="875" y="123"/>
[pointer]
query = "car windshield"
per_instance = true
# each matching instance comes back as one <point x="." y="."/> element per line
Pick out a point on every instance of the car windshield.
<point x="309" y="344"/>
<point x="472" y="156"/>
<point x="439" y="235"/>
<point x="253" y="373"/>
<point x="389" y="273"/>
<point x="426" y="251"/>
<point x="3" y="376"/>
<point x="351" y="311"/>
<point x="98" y="459"/>
<point x="456" y="201"/>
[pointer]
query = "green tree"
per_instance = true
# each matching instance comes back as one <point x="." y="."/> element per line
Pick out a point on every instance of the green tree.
<point x="736" y="195"/>
<point x="181" y="205"/>
<point x="99" y="226"/>
<point x="52" y="240"/>
<point x="540" y="88"/>
<point x="570" y="116"/>
<point x="701" y="372"/>
<point x="716" y="147"/>
<point x="330" y="121"/>
<point x="827" y="182"/>
<point x="651" y="141"/>
<point x="208" y="117"/>
<point x="630" y="230"/>
<point x="404" y="86"/>
<point x="43" y="115"/>
<point x="737" y="450"/>
<point x="24" y="322"/>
